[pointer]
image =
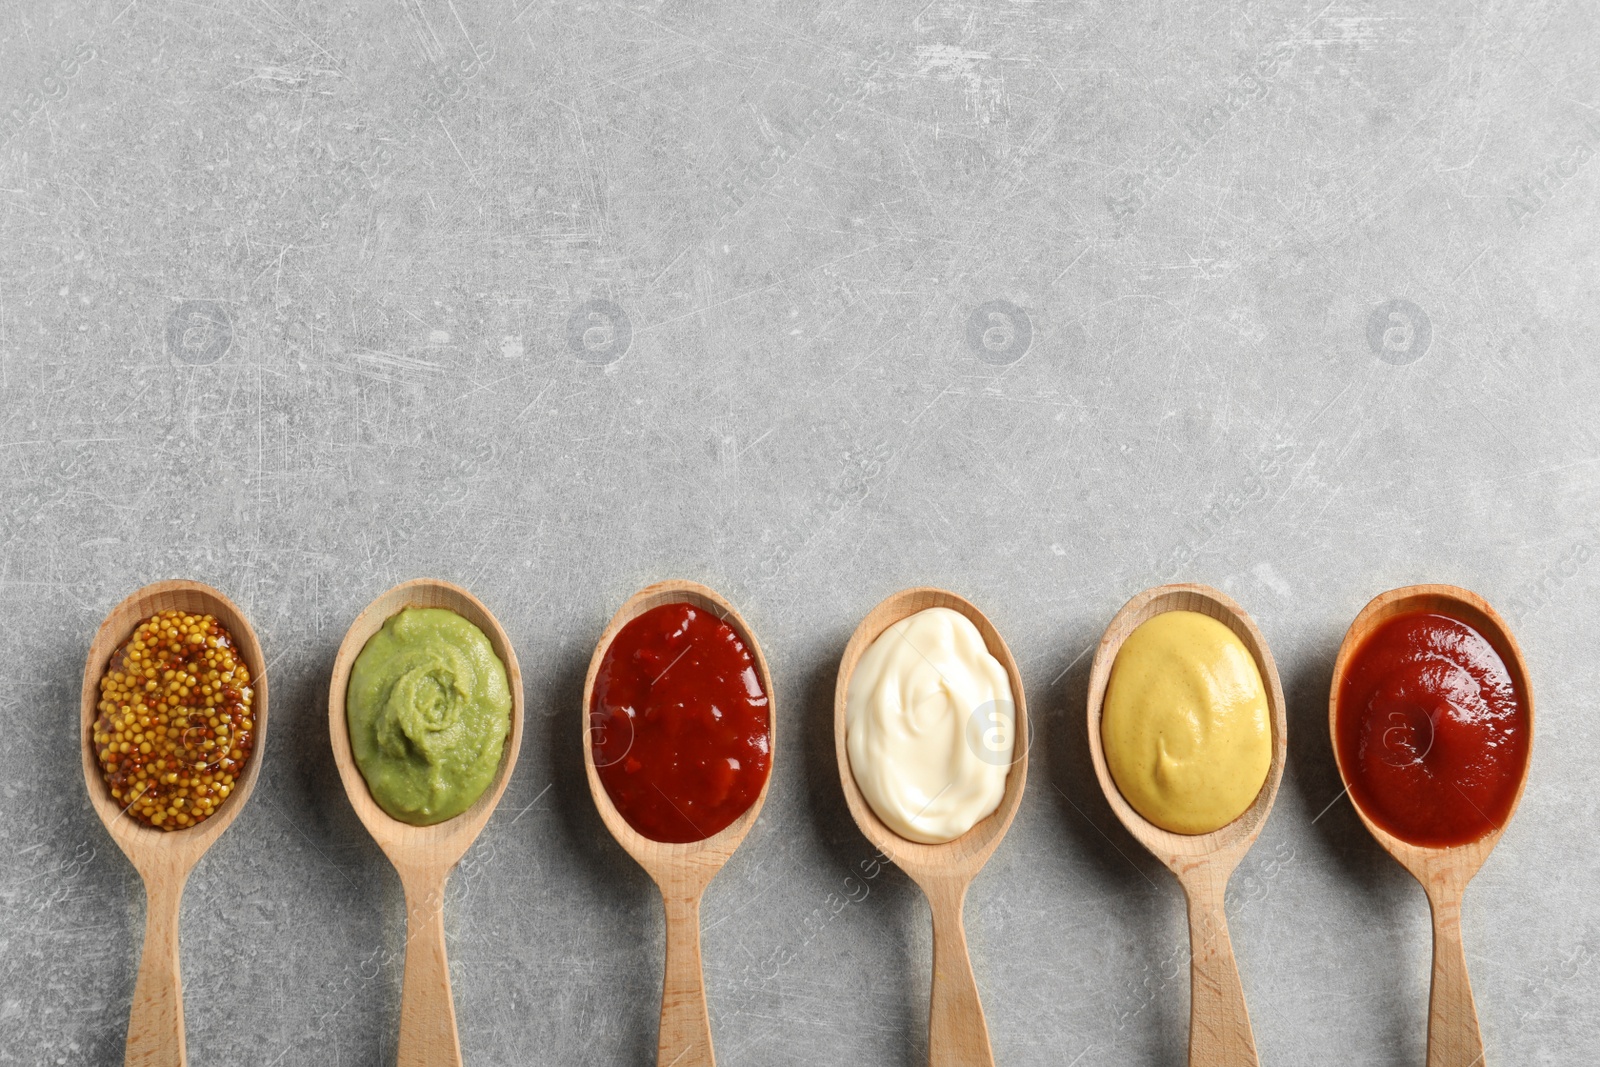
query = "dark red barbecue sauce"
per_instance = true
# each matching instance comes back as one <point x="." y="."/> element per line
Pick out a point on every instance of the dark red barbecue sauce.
<point x="1432" y="732"/>
<point x="678" y="724"/>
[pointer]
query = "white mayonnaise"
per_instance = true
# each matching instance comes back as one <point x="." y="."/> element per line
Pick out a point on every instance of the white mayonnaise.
<point x="929" y="725"/>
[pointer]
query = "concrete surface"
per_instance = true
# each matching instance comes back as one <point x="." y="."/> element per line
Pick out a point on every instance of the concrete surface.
<point x="1043" y="302"/>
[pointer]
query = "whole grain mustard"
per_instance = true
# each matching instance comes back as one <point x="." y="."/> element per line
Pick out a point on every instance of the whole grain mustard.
<point x="175" y="727"/>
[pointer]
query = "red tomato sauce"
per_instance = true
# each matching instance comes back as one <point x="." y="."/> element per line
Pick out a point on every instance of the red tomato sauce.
<point x="1432" y="731"/>
<point x="678" y="724"/>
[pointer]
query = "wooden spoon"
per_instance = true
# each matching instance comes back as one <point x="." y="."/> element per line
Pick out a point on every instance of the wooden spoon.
<point x="958" y="1035"/>
<point x="681" y="871"/>
<point x="164" y="858"/>
<point x="423" y="856"/>
<point x="1454" y="1039"/>
<point x="1219" y="1023"/>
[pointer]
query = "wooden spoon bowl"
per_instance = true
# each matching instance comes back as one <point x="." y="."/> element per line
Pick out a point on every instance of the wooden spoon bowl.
<point x="164" y="858"/>
<point x="1454" y="1038"/>
<point x="681" y="870"/>
<point x="1219" y="1022"/>
<point x="423" y="855"/>
<point x="958" y="1034"/>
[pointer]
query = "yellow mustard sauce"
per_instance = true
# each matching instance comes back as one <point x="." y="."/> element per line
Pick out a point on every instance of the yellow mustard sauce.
<point x="1185" y="726"/>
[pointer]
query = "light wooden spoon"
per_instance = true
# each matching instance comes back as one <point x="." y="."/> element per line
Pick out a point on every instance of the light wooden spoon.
<point x="681" y="871"/>
<point x="164" y="858"/>
<point x="1219" y="1022"/>
<point x="423" y="856"/>
<point x="958" y="1035"/>
<point x="1454" y="1039"/>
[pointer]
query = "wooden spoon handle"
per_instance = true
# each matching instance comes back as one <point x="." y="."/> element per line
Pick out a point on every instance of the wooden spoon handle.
<point x="1219" y="1022"/>
<point x="958" y="1035"/>
<point x="1454" y="1039"/>
<point x="427" y="1010"/>
<point x="684" y="1039"/>
<point x="155" y="1022"/>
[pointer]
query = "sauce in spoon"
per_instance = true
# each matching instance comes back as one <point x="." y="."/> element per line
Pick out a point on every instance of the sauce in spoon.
<point x="678" y="722"/>
<point x="1219" y="1022"/>
<point x="423" y="856"/>
<point x="1432" y="730"/>
<point x="164" y="858"/>
<point x="958" y="1034"/>
<point x="681" y="869"/>
<point x="1428" y="681"/>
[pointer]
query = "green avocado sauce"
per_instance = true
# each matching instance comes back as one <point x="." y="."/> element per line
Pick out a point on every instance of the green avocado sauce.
<point x="429" y="709"/>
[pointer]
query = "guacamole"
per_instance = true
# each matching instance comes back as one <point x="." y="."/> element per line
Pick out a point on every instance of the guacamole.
<point x="429" y="710"/>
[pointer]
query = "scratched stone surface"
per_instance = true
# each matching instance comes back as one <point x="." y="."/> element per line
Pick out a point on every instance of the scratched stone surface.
<point x="1041" y="302"/>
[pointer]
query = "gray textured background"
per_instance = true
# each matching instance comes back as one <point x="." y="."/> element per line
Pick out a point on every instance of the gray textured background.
<point x="558" y="299"/>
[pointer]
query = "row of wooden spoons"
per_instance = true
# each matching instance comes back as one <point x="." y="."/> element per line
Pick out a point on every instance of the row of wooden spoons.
<point x="1220" y="1032"/>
